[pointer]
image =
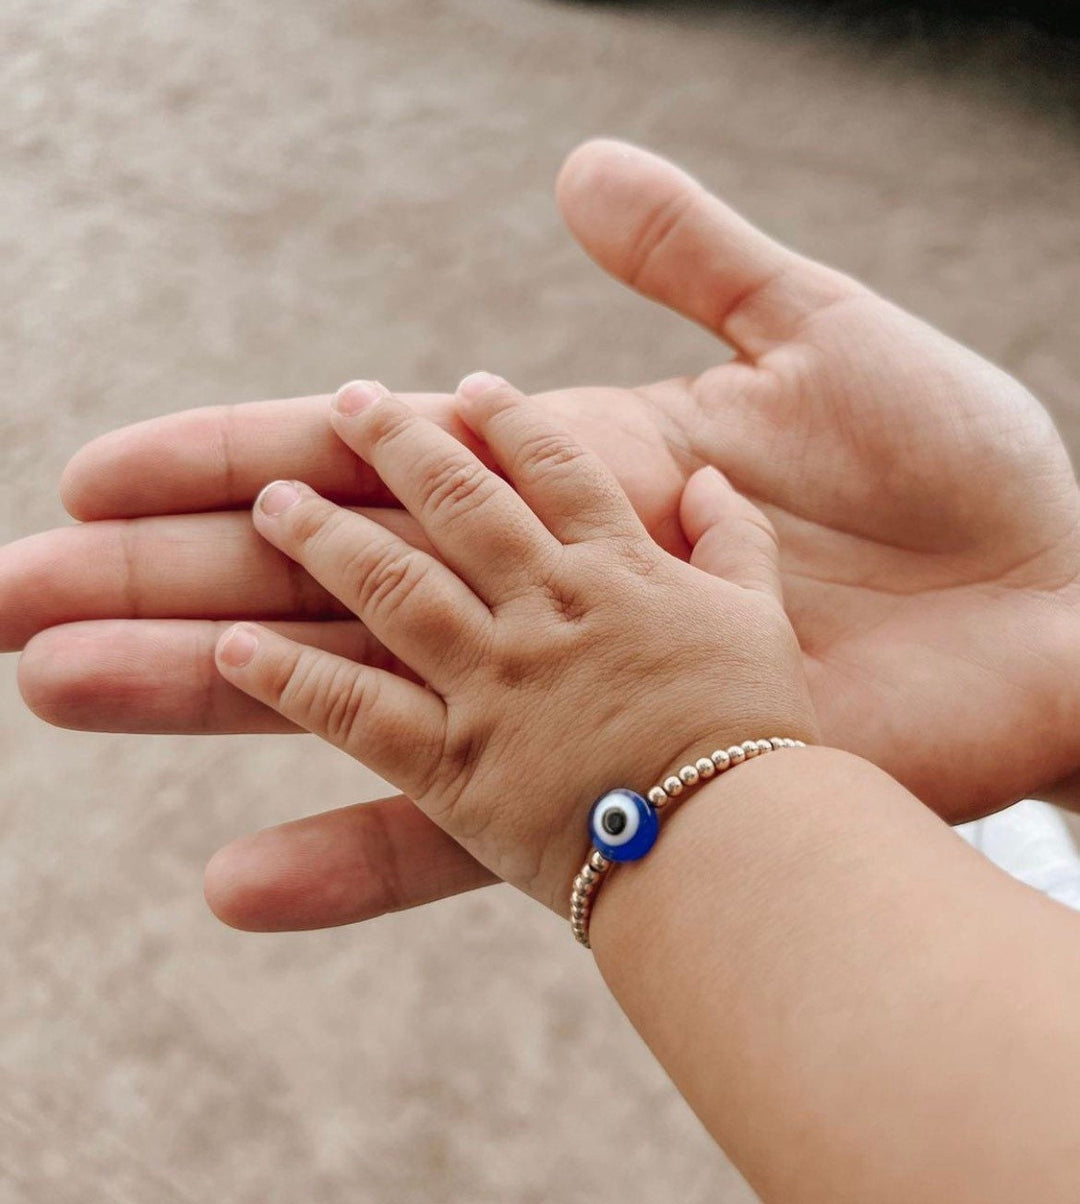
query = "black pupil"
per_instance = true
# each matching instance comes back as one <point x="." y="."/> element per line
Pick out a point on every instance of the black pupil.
<point x="614" y="822"/>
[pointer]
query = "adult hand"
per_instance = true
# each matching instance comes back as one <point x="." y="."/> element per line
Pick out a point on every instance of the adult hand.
<point x="926" y="510"/>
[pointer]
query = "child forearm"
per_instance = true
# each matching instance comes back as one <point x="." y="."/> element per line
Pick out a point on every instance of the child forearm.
<point x="857" y="1006"/>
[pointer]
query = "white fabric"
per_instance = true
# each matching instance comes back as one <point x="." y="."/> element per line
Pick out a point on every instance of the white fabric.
<point x="1032" y="842"/>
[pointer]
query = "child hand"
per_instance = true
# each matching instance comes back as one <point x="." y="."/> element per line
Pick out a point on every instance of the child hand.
<point x="563" y="651"/>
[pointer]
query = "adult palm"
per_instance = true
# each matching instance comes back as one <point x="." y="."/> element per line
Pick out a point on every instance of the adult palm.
<point x="925" y="507"/>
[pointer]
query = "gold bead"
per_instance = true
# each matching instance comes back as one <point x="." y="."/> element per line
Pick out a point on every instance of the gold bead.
<point x="750" y="748"/>
<point x="705" y="767"/>
<point x="688" y="775"/>
<point x="764" y="746"/>
<point x="588" y="874"/>
<point x="579" y="884"/>
<point x="598" y="861"/>
<point x="658" y="797"/>
<point x="721" y="760"/>
<point x="777" y="741"/>
<point x="736" y="754"/>
<point x="673" y="787"/>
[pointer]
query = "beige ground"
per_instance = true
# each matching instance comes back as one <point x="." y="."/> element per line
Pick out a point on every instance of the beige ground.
<point x="207" y="202"/>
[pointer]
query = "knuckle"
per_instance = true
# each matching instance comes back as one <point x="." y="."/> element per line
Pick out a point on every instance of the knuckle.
<point x="621" y="561"/>
<point x="387" y="580"/>
<point x="296" y="683"/>
<point x="548" y="453"/>
<point x="352" y="699"/>
<point x="456" y="488"/>
<point x="640" y="557"/>
<point x="331" y="696"/>
<point x="566" y="602"/>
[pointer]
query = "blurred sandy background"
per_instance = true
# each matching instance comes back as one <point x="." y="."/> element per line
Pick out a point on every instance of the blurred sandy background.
<point x="207" y="203"/>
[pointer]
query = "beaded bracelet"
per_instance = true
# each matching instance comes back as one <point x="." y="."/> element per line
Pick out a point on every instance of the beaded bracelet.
<point x="624" y="825"/>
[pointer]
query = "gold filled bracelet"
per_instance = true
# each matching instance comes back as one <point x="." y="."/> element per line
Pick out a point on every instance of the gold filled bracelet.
<point x="624" y="825"/>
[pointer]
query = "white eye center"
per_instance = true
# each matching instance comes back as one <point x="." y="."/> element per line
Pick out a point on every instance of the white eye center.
<point x="617" y="822"/>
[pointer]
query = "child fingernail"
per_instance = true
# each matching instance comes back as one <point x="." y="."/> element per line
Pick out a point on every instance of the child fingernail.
<point x="476" y="384"/>
<point x="357" y="396"/>
<point x="237" y="646"/>
<point x="277" y="497"/>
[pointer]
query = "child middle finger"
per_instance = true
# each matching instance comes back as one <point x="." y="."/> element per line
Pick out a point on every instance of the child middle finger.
<point x="473" y="518"/>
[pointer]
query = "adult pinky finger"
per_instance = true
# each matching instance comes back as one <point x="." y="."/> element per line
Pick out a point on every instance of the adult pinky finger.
<point x="395" y="727"/>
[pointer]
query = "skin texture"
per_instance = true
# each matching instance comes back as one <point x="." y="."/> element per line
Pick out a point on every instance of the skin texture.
<point x="925" y="507"/>
<point x="550" y="629"/>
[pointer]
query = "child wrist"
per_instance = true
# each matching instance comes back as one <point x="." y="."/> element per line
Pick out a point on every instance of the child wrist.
<point x="624" y="825"/>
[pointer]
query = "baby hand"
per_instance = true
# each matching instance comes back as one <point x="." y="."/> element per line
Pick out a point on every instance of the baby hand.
<point x="564" y="653"/>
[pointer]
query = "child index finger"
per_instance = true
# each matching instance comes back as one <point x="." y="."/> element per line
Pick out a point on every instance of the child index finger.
<point x="472" y="517"/>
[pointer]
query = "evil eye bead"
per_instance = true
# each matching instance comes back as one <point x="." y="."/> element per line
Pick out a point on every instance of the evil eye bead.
<point x="623" y="825"/>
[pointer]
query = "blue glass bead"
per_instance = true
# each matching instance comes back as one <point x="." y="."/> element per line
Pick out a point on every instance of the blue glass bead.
<point x="623" y="825"/>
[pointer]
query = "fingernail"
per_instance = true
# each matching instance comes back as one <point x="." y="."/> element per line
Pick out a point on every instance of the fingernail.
<point x="476" y="384"/>
<point x="277" y="497"/>
<point x="237" y="646"/>
<point x="357" y="396"/>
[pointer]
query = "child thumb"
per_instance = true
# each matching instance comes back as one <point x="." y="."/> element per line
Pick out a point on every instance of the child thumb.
<point x="729" y="535"/>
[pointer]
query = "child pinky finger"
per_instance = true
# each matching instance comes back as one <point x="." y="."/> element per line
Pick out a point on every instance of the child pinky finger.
<point x="395" y="727"/>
